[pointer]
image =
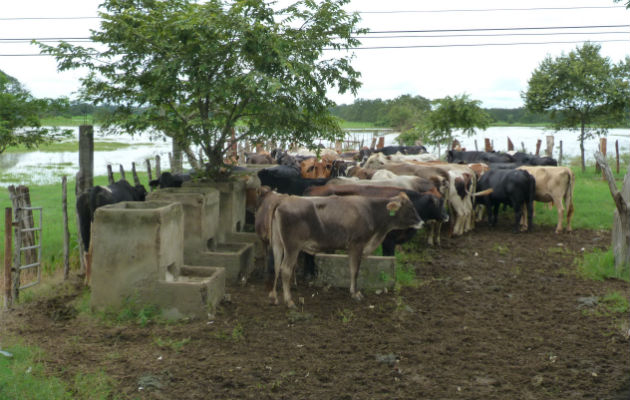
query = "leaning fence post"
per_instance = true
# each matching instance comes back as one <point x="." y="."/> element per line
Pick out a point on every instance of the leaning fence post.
<point x="560" y="156"/>
<point x="66" y="232"/>
<point x="8" y="235"/>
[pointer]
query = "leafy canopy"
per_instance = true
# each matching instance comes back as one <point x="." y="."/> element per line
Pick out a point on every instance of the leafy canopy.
<point x="20" y="115"/>
<point x="199" y="70"/>
<point x="581" y="91"/>
<point x="449" y="114"/>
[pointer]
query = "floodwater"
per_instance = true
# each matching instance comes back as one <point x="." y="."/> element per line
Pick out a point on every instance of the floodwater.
<point x="47" y="167"/>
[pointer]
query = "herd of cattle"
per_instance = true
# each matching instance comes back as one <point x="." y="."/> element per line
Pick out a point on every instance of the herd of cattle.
<point x="356" y="201"/>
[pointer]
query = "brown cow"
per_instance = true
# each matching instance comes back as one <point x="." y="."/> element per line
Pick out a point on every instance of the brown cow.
<point x="555" y="185"/>
<point x="357" y="224"/>
<point x="311" y="168"/>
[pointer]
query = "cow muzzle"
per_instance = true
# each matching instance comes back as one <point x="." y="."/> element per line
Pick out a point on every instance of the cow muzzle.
<point x="419" y="225"/>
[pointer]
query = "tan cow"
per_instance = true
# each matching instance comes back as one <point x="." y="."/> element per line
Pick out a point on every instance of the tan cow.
<point x="555" y="185"/>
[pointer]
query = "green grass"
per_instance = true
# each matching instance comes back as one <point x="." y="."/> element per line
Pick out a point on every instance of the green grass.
<point x="69" y="121"/>
<point x="600" y="265"/>
<point x="615" y="303"/>
<point x="355" y="125"/>
<point x="73" y="146"/>
<point x="24" y="377"/>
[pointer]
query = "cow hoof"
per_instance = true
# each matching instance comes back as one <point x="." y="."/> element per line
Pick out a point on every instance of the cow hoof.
<point x="357" y="296"/>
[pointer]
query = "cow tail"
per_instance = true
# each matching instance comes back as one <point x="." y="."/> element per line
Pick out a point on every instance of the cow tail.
<point x="568" y="195"/>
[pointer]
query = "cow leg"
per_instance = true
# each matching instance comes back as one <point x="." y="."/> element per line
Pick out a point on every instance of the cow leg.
<point x="431" y="233"/>
<point x="354" y="259"/>
<point x="287" y="268"/>
<point x="560" y="209"/>
<point x="278" y="253"/>
<point x="518" y="213"/>
<point x="530" y="215"/>
<point x="569" y="214"/>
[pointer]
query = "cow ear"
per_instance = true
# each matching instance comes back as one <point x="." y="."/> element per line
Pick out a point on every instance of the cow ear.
<point x="393" y="206"/>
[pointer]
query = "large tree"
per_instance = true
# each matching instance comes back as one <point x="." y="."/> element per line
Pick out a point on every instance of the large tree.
<point x="582" y="91"/>
<point x="20" y="115"/>
<point x="449" y="114"/>
<point x="198" y="70"/>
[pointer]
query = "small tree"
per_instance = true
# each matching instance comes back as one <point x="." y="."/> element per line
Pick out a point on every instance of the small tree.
<point x="20" y="115"/>
<point x="582" y="91"/>
<point x="449" y="114"/>
<point x="197" y="71"/>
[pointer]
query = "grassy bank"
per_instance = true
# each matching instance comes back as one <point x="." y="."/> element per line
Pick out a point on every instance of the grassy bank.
<point x="69" y="121"/>
<point x="73" y="146"/>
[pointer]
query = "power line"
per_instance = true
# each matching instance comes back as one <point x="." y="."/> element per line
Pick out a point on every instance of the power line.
<point x="375" y="12"/>
<point x="408" y="47"/>
<point x="488" y="10"/>
<point x="501" y="29"/>
<point x="491" y="35"/>
<point x="476" y="44"/>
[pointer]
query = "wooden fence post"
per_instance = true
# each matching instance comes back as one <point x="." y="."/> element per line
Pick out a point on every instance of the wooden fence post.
<point x="487" y="145"/>
<point x="136" y="180"/>
<point x="560" y="155"/>
<point x="85" y="177"/>
<point x="158" y="167"/>
<point x="476" y="147"/>
<point x="8" y="235"/>
<point x="66" y="232"/>
<point x="510" y="145"/>
<point x="549" y="150"/>
<point x="538" y="144"/>
<point x="617" y="153"/>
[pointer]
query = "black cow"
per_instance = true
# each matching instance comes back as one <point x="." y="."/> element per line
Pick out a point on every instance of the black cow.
<point x="510" y="187"/>
<point x="466" y="157"/>
<point x="530" y="159"/>
<point x="287" y="180"/>
<point x="99" y="196"/>
<point x="389" y="150"/>
<point x="167" y="180"/>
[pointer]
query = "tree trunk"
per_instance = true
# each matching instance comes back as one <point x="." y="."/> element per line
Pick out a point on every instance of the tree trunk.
<point x="582" y="148"/>
<point x="621" y="226"/>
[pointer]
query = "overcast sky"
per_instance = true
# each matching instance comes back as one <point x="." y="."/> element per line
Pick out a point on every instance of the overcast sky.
<point x="432" y="67"/>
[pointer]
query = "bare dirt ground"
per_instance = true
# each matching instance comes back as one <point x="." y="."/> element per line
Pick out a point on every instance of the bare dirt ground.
<point x="495" y="315"/>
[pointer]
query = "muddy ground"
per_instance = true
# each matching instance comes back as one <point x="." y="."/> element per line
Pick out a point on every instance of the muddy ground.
<point x="494" y="316"/>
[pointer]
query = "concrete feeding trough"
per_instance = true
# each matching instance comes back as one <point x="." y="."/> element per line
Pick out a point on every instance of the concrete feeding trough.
<point x="138" y="257"/>
<point x="202" y="224"/>
<point x="231" y="205"/>
<point x="201" y="214"/>
<point x="375" y="272"/>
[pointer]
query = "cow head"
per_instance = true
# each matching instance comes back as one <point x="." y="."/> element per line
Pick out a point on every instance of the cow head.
<point x="403" y="213"/>
<point x="311" y="168"/>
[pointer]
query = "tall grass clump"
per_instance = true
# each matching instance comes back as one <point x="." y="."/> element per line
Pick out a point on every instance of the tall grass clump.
<point x="600" y="265"/>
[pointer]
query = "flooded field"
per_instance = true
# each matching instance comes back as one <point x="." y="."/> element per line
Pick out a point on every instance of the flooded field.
<point x="38" y="167"/>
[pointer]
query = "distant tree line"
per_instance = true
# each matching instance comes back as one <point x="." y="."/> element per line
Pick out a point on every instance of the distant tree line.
<point x="400" y="111"/>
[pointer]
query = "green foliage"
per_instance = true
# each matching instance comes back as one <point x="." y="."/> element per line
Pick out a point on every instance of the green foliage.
<point x="615" y="303"/>
<point x="450" y="113"/>
<point x="582" y="91"/>
<point x="173" y="344"/>
<point x="345" y="315"/>
<point x="20" y="115"/>
<point x="599" y="265"/>
<point x="23" y="376"/>
<point x="196" y="71"/>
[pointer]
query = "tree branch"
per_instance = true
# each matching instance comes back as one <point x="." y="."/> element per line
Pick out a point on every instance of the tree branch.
<point x="620" y="202"/>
